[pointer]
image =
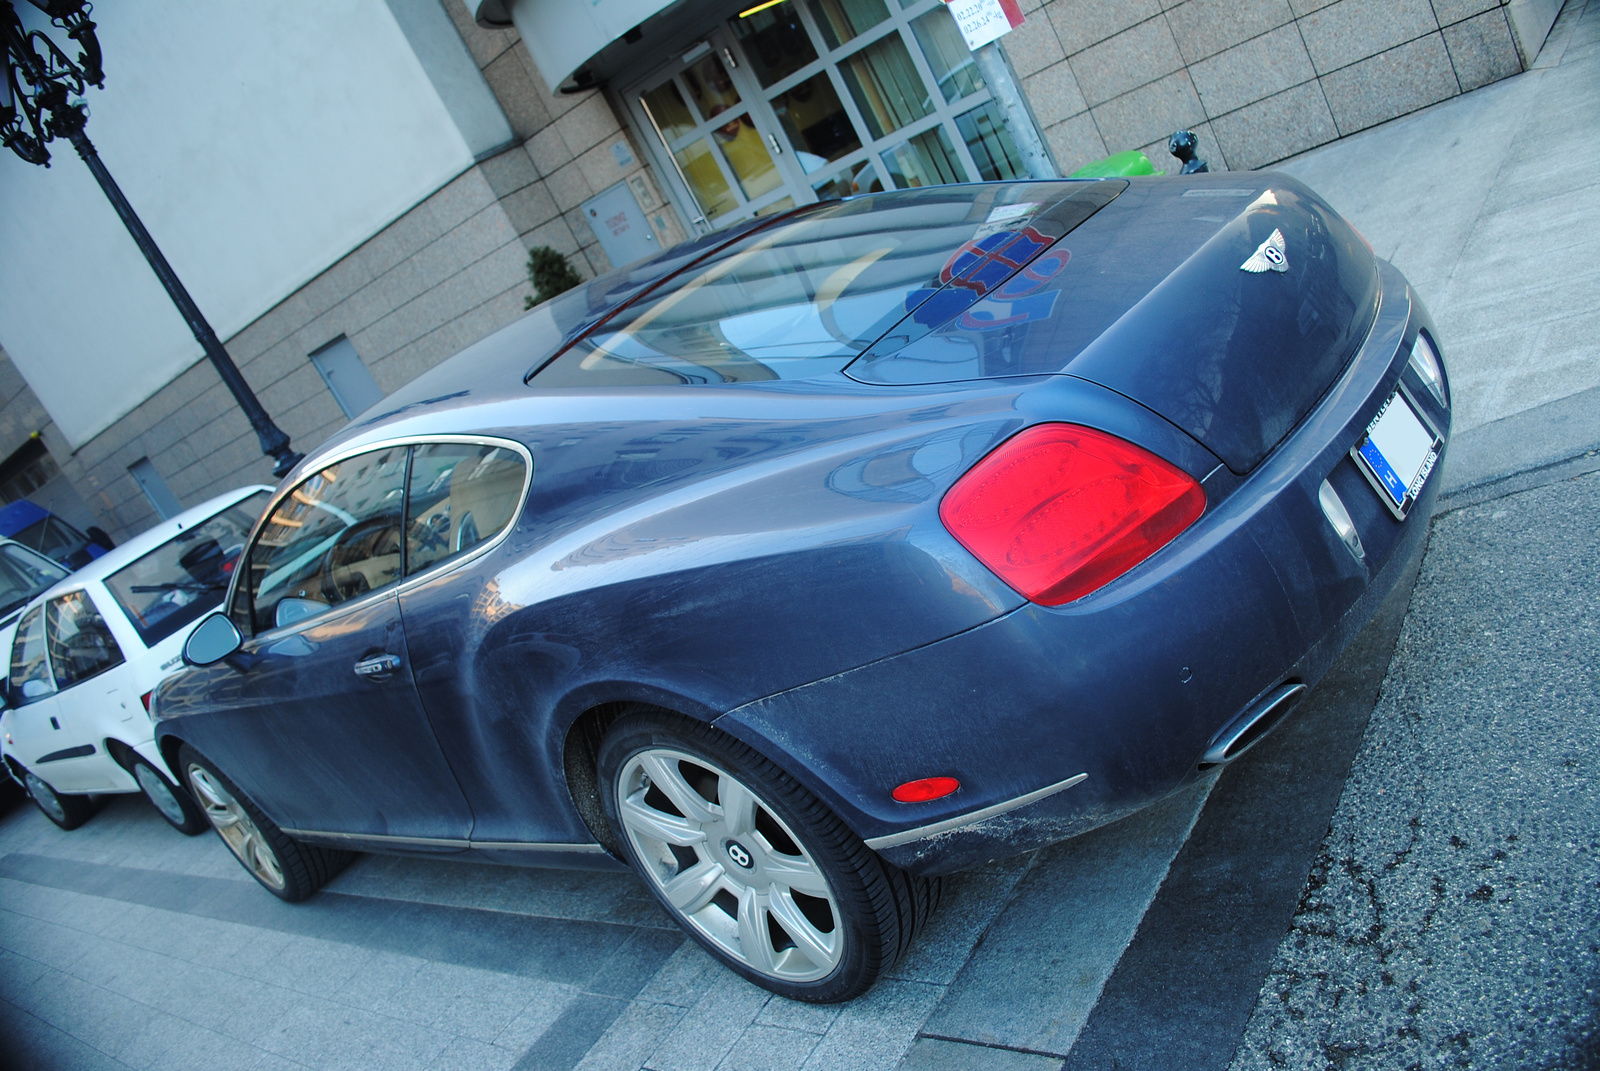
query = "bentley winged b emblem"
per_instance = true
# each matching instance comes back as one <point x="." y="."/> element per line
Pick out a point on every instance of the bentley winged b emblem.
<point x="1270" y="255"/>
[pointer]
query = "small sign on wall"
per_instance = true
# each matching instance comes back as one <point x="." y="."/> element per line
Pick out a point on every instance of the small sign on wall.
<point x="982" y="21"/>
<point x="617" y="220"/>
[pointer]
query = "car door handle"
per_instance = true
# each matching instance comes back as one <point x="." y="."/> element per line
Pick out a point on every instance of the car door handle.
<point x="378" y="665"/>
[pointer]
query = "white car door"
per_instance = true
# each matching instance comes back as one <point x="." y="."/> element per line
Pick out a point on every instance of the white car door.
<point x="34" y="724"/>
<point x="87" y="665"/>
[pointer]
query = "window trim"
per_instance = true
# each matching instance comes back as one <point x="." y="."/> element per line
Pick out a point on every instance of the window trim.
<point x="410" y="442"/>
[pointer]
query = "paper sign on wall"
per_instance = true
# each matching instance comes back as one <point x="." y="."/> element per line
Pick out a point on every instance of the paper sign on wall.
<point x="982" y="21"/>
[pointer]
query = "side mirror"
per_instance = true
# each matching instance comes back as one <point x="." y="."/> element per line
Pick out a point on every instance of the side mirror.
<point x="213" y="639"/>
<point x="36" y="689"/>
<point x="290" y="610"/>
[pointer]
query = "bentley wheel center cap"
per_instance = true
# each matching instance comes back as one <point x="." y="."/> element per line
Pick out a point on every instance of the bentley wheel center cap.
<point x="739" y="854"/>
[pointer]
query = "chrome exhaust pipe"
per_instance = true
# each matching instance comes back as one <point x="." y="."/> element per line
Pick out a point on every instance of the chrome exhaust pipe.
<point x="1240" y="734"/>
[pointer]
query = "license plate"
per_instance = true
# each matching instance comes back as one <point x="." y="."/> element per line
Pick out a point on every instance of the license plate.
<point x="1397" y="453"/>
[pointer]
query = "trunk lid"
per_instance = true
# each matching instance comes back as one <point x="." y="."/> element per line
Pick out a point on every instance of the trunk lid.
<point x="1226" y="303"/>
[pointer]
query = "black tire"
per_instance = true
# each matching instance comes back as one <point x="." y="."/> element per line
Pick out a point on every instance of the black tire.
<point x="65" y="810"/>
<point x="285" y="867"/>
<point x="849" y="931"/>
<point x="171" y="801"/>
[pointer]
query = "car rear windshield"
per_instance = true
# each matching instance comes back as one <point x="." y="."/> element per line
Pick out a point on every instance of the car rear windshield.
<point x="186" y="576"/>
<point x="802" y="298"/>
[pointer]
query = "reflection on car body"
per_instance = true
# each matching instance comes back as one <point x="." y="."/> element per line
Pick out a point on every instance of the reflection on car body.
<point x="808" y="562"/>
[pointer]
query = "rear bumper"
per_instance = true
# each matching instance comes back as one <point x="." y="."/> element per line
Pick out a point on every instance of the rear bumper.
<point x="1129" y="685"/>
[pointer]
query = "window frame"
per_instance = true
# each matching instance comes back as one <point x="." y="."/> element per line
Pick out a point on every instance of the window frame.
<point x="407" y="580"/>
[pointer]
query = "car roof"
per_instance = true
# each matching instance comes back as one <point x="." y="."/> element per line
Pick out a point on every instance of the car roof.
<point x="486" y="386"/>
<point x="15" y="516"/>
<point x="148" y="540"/>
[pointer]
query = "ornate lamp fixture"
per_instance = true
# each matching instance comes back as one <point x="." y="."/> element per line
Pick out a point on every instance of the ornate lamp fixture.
<point x="41" y="100"/>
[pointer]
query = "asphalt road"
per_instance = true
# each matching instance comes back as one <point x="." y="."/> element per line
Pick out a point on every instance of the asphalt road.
<point x="1452" y="915"/>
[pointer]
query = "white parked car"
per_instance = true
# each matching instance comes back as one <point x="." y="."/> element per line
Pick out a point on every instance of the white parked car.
<point x="86" y="654"/>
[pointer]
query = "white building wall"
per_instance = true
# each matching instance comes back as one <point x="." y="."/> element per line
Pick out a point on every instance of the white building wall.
<point x="346" y="132"/>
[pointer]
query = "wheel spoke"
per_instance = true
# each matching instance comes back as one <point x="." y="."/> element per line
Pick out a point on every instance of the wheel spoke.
<point x="247" y="849"/>
<point x="694" y="888"/>
<point x="813" y="943"/>
<point x="264" y="861"/>
<point x="207" y="792"/>
<point x="646" y="821"/>
<point x="222" y="816"/>
<point x="738" y="806"/>
<point x="754" y="940"/>
<point x="798" y="874"/>
<point x="666" y="776"/>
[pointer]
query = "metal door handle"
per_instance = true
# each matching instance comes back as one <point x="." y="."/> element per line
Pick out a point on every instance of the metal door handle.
<point x="377" y="665"/>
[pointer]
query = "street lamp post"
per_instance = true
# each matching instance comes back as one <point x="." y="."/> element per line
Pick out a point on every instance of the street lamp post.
<point x="37" y="105"/>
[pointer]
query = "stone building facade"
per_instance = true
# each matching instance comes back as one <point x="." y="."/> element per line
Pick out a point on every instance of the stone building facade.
<point x="1258" y="80"/>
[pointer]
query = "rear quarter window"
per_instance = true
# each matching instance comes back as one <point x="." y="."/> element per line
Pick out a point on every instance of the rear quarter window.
<point x="28" y="659"/>
<point x="81" y="646"/>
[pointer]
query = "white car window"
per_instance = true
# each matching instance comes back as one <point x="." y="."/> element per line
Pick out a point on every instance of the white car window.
<point x="81" y="646"/>
<point x="29" y="663"/>
<point x="185" y="578"/>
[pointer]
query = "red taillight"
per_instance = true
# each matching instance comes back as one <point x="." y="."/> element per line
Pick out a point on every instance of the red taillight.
<point x="1059" y="510"/>
<point x="145" y="699"/>
<point x="925" y="789"/>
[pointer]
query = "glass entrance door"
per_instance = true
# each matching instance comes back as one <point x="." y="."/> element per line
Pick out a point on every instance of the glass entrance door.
<point x="808" y="99"/>
<point x="707" y="116"/>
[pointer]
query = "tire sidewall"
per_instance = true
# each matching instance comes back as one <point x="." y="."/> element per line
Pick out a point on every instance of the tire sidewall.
<point x="294" y="889"/>
<point x="194" y="821"/>
<point x="776" y="792"/>
<point x="75" y="810"/>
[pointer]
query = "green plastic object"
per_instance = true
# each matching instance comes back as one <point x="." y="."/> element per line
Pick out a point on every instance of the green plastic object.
<point x="1132" y="162"/>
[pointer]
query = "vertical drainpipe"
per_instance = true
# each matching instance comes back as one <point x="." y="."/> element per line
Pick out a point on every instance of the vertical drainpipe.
<point x="1002" y="82"/>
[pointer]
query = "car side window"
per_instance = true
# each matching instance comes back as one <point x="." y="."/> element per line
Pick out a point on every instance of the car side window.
<point x="461" y="495"/>
<point x="334" y="537"/>
<point x="81" y="645"/>
<point x="28" y="660"/>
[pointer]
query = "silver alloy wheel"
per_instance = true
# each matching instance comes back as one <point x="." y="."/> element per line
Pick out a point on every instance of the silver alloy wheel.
<point x="237" y="829"/>
<point x="729" y="866"/>
<point x="158" y="792"/>
<point x="44" y="796"/>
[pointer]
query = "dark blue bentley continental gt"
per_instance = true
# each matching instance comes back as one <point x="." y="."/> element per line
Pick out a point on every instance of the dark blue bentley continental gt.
<point x="807" y="562"/>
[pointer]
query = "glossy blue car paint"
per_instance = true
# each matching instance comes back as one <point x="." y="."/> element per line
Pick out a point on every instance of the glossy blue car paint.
<point x="767" y="554"/>
<point x="1130" y="683"/>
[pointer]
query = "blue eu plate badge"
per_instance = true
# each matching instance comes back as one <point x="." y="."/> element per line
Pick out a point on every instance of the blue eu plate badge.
<point x="1397" y="453"/>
